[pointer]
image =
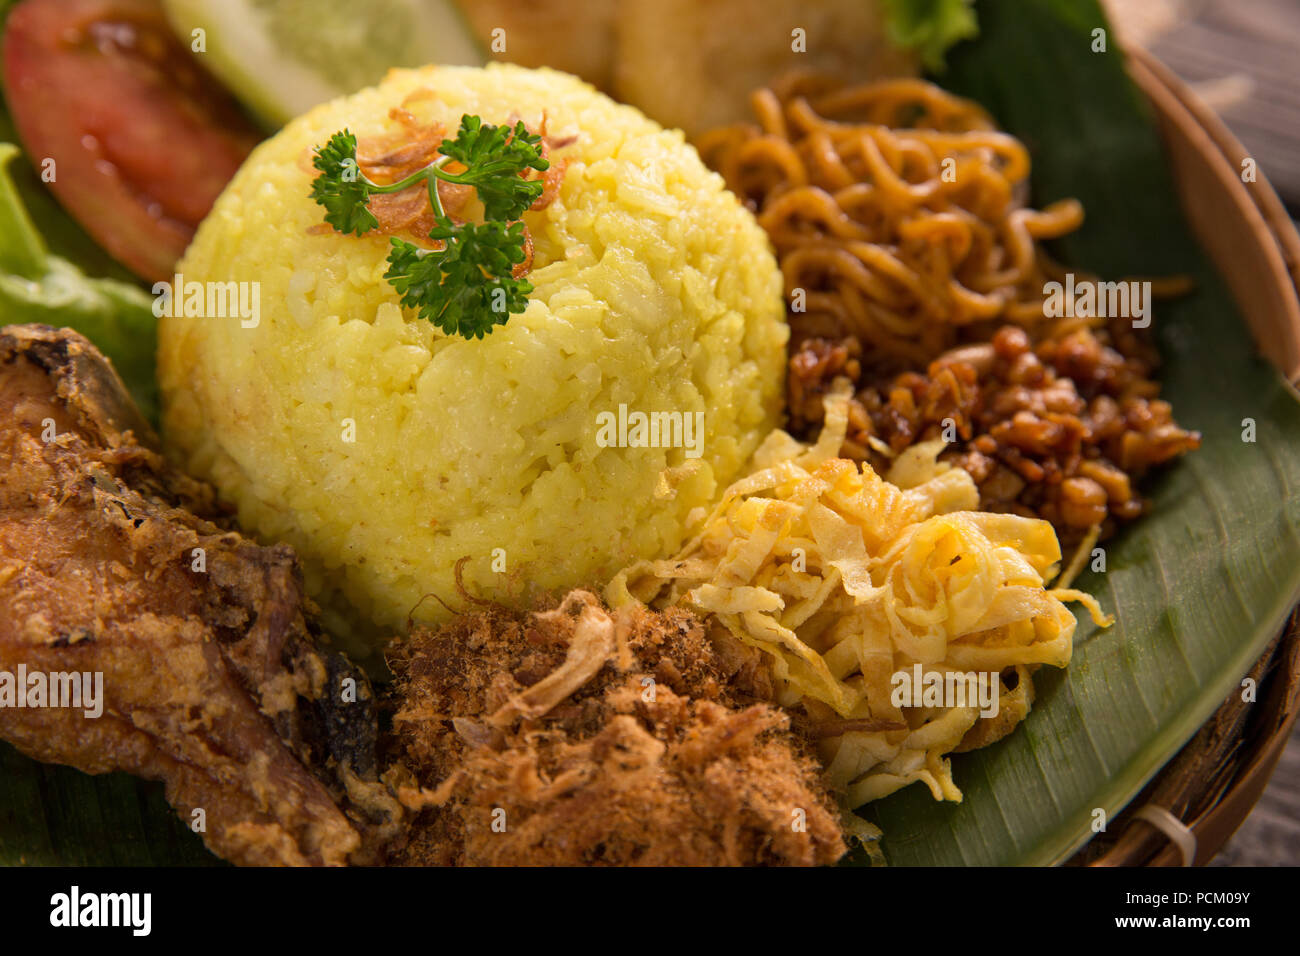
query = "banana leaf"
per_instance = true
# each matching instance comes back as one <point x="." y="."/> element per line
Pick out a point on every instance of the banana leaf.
<point x="57" y="816"/>
<point x="1199" y="587"/>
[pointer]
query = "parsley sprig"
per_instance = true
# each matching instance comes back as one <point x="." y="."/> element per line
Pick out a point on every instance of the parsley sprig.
<point x="468" y="286"/>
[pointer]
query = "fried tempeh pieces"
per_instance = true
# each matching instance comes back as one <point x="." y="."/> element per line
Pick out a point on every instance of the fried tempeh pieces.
<point x="581" y="736"/>
<point x="213" y="681"/>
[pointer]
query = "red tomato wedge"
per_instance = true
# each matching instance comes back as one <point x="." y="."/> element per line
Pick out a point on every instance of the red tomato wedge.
<point x="143" y="139"/>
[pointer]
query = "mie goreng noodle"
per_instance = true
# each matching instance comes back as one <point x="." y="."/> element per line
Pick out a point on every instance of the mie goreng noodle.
<point x="897" y="212"/>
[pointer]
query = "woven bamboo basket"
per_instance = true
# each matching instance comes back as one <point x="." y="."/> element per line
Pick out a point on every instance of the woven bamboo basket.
<point x="1199" y="799"/>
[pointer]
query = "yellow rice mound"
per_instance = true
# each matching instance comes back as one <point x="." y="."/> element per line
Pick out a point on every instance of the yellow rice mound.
<point x="655" y="289"/>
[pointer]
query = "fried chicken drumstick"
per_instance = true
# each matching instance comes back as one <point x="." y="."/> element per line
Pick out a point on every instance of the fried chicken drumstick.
<point x="579" y="736"/>
<point x="213" y="679"/>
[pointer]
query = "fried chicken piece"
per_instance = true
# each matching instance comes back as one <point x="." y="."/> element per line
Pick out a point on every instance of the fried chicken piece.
<point x="212" y="678"/>
<point x="580" y="737"/>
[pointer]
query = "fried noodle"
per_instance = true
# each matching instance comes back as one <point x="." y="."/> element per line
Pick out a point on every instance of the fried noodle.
<point x="896" y="210"/>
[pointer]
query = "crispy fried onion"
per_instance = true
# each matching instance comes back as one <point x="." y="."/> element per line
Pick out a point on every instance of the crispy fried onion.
<point x="388" y="157"/>
<point x="593" y="643"/>
<point x="596" y="639"/>
<point x="845" y="579"/>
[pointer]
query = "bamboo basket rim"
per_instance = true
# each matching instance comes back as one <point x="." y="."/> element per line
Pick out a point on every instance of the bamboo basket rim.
<point x="1217" y="803"/>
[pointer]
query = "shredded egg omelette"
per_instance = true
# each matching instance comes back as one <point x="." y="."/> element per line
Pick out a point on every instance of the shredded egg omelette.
<point x="848" y="580"/>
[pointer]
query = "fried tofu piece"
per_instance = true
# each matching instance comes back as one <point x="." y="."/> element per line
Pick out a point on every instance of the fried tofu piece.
<point x="214" y="681"/>
<point x="581" y="737"/>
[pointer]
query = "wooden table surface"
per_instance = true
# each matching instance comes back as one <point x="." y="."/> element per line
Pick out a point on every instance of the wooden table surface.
<point x="1243" y="56"/>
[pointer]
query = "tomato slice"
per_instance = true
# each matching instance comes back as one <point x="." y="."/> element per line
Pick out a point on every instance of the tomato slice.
<point x="143" y="139"/>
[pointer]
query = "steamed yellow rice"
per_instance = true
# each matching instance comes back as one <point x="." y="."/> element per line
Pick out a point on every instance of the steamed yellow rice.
<point x="654" y="289"/>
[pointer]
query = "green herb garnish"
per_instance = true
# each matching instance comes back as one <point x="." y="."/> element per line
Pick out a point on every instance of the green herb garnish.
<point x="468" y="286"/>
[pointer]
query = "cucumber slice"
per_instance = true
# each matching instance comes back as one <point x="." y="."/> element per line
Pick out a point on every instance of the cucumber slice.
<point x="282" y="57"/>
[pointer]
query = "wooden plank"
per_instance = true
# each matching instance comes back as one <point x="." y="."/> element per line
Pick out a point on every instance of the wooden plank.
<point x="1258" y="39"/>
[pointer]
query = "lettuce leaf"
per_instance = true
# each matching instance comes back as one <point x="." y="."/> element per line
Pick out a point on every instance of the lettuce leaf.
<point x="38" y="286"/>
<point x="930" y="27"/>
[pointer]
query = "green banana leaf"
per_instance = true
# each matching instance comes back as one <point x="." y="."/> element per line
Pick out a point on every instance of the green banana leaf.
<point x="1202" y="584"/>
<point x="57" y="816"/>
<point x="1199" y="587"/>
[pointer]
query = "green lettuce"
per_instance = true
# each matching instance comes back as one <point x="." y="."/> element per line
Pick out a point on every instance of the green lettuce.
<point x="930" y="27"/>
<point x="38" y="286"/>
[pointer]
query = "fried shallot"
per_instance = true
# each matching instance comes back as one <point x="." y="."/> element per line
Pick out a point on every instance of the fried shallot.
<point x="578" y="736"/>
